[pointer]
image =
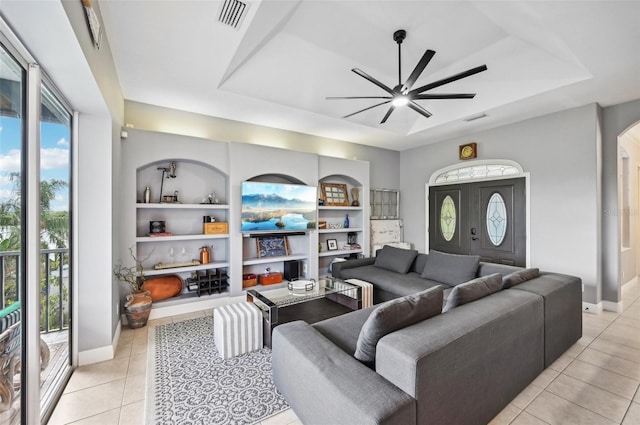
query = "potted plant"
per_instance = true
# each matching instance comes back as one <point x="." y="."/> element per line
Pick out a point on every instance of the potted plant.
<point x="138" y="303"/>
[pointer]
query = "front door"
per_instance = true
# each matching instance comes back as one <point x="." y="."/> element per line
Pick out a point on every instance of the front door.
<point x="482" y="218"/>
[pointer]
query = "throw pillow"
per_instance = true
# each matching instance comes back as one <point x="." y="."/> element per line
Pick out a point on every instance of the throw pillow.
<point x="518" y="277"/>
<point x="452" y="269"/>
<point x="393" y="315"/>
<point x="395" y="259"/>
<point x="473" y="290"/>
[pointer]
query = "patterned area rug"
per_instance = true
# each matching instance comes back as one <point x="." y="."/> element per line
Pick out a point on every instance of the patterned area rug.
<point x="189" y="383"/>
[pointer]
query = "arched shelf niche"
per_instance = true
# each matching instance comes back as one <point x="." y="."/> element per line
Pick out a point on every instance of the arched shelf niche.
<point x="194" y="181"/>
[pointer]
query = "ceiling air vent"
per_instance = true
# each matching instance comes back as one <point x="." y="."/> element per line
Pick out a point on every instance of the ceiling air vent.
<point x="232" y="12"/>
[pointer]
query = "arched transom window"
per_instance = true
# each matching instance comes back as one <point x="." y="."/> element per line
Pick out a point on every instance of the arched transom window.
<point x="479" y="170"/>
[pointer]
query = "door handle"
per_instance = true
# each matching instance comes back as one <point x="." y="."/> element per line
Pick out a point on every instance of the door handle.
<point x="473" y="238"/>
<point x="473" y="234"/>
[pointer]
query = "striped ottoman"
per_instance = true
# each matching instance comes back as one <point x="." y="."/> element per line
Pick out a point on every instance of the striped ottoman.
<point x="237" y="329"/>
<point x="367" y="291"/>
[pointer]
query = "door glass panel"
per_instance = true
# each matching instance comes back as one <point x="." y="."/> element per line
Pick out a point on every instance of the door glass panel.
<point x="55" y="170"/>
<point x="496" y="219"/>
<point x="448" y="218"/>
<point x="12" y="249"/>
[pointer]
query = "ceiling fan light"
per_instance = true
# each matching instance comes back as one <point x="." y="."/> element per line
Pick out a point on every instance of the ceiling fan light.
<point x="400" y="101"/>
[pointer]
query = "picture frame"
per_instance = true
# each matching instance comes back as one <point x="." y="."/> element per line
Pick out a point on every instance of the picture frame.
<point x="332" y="244"/>
<point x="272" y="246"/>
<point x="335" y="194"/>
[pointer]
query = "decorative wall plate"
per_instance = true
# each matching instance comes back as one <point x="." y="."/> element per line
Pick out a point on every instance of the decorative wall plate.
<point x="468" y="151"/>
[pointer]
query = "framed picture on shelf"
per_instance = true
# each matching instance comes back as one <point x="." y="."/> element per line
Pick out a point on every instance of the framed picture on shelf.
<point x="335" y="194"/>
<point x="332" y="244"/>
<point x="272" y="246"/>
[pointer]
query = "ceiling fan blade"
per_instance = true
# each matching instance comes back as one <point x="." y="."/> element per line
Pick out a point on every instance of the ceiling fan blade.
<point x="373" y="80"/>
<point x="448" y="80"/>
<point x="386" y="116"/>
<point x="366" y="109"/>
<point x="357" y="97"/>
<point x="422" y="64"/>
<point x="419" y="109"/>
<point x="445" y="96"/>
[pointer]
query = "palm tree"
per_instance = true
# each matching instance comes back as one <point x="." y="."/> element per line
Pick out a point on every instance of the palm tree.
<point x="54" y="232"/>
<point x="54" y="225"/>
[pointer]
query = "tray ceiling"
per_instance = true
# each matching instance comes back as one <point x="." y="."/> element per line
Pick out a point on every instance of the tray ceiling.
<point x="285" y="57"/>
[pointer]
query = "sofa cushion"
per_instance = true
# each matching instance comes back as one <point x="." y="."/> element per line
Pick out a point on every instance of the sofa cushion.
<point x="452" y="269"/>
<point x="518" y="277"/>
<point x="418" y="264"/>
<point x="395" y="259"/>
<point x="393" y="315"/>
<point x="395" y="284"/>
<point x="473" y="290"/>
<point x="344" y="330"/>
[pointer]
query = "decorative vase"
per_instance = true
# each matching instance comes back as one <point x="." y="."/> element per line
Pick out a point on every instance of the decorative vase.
<point x="355" y="193"/>
<point x="137" y="308"/>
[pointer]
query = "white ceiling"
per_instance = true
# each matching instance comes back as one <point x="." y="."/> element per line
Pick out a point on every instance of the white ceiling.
<point x="288" y="55"/>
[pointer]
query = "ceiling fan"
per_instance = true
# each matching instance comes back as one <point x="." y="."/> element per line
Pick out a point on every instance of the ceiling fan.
<point x="402" y="94"/>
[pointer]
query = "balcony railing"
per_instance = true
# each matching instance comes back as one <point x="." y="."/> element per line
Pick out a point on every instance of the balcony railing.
<point x="54" y="286"/>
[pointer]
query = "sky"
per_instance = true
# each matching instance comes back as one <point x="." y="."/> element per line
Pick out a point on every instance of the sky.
<point x="54" y="157"/>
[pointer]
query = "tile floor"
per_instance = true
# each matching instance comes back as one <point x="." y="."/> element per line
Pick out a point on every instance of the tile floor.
<point x="595" y="382"/>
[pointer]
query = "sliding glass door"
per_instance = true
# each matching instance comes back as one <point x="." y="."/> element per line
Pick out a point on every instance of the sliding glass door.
<point x="55" y="225"/>
<point x="12" y="246"/>
<point x="35" y="251"/>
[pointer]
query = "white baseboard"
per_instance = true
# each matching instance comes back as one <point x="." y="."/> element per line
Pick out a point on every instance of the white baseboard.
<point x="630" y="284"/>
<point x="190" y="307"/>
<point x="95" y="355"/>
<point x="100" y="354"/>
<point x="592" y="308"/>
<point x="612" y="306"/>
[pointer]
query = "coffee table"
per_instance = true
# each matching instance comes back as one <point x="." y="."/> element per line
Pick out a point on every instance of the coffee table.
<point x="308" y="300"/>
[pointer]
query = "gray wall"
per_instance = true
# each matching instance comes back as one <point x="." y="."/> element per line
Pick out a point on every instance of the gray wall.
<point x="384" y="163"/>
<point x="99" y="159"/>
<point x="559" y="151"/>
<point x="615" y="120"/>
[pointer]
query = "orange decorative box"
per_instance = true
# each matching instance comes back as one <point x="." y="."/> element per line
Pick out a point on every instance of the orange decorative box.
<point x="249" y="280"/>
<point x="270" y="278"/>
<point x="215" y="228"/>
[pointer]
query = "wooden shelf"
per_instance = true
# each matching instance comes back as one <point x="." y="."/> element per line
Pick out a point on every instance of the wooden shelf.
<point x="180" y="238"/>
<point x="170" y="205"/>
<point x="214" y="265"/>
<point x="266" y="260"/>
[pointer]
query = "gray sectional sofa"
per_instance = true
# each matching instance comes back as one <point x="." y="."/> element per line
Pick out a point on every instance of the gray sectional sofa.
<point x="462" y="366"/>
